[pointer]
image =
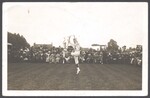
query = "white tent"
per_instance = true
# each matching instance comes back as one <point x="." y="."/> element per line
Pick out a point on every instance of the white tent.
<point x="9" y="44"/>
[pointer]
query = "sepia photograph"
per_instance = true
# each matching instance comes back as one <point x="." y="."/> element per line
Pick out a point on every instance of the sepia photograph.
<point x="75" y="49"/>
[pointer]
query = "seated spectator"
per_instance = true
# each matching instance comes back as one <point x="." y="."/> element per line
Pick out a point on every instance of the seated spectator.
<point x="57" y="58"/>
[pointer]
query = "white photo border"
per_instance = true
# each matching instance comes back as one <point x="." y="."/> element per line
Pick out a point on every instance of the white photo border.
<point x="6" y="92"/>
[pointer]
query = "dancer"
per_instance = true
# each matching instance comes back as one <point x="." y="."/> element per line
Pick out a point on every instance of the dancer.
<point x="74" y="50"/>
<point x="76" y="53"/>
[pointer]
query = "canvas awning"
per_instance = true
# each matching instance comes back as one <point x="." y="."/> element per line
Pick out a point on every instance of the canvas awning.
<point x="9" y="44"/>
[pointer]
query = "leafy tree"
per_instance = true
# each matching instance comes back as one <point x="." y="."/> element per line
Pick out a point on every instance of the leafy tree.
<point x="17" y="41"/>
<point x="112" y="45"/>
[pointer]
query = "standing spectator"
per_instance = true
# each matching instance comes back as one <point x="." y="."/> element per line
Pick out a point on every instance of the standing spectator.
<point x="101" y="57"/>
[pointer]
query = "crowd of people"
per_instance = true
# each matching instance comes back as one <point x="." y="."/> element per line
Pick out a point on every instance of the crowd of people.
<point x="55" y="55"/>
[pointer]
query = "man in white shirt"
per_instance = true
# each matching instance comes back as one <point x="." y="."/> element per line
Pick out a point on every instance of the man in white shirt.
<point x="72" y="49"/>
<point x="76" y="53"/>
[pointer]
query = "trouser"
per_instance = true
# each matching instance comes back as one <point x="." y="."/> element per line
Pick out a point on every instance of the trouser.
<point x="76" y="56"/>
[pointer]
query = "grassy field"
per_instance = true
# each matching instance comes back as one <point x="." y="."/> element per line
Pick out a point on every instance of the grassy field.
<point x="44" y="76"/>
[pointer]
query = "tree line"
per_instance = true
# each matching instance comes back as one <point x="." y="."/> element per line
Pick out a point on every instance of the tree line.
<point x="18" y="41"/>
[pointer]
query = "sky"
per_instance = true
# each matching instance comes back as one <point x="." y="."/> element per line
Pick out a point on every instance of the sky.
<point x="90" y="22"/>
